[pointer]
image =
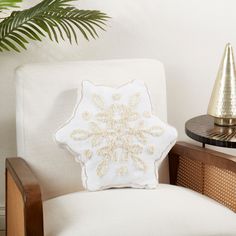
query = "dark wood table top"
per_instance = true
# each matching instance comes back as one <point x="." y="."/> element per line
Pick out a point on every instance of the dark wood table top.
<point x="203" y="129"/>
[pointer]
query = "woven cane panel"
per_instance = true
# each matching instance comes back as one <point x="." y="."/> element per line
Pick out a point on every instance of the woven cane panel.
<point x="190" y="174"/>
<point x="220" y="185"/>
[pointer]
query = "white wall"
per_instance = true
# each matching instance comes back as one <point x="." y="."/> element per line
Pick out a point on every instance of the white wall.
<point x="188" y="36"/>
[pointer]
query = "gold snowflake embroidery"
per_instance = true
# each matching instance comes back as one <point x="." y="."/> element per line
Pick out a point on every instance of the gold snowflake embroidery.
<point x="122" y="171"/>
<point x="151" y="149"/>
<point x="116" y="96"/>
<point x="147" y="114"/>
<point x="88" y="154"/>
<point x="86" y="115"/>
<point x="118" y="133"/>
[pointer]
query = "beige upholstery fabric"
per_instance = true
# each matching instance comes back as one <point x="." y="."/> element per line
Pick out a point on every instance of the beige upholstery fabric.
<point x="46" y="96"/>
<point x="168" y="210"/>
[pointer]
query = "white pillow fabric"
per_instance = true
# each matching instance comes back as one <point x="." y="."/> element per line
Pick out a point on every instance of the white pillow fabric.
<point x="116" y="138"/>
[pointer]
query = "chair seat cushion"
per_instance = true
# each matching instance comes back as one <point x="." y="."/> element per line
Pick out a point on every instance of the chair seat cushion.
<point x="167" y="210"/>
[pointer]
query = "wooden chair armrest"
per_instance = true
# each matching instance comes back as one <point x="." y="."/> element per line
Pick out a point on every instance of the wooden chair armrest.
<point x="206" y="171"/>
<point x="24" y="212"/>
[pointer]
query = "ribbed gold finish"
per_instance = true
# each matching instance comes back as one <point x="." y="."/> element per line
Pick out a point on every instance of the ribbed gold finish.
<point x="222" y="104"/>
<point x="225" y="121"/>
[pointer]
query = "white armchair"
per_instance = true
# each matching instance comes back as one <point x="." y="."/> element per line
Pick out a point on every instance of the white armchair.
<point x="44" y="191"/>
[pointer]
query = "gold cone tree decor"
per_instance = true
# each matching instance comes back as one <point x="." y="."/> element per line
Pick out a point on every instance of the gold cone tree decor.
<point x="222" y="105"/>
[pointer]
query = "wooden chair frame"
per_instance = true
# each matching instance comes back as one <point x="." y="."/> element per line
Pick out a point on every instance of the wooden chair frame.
<point x="24" y="211"/>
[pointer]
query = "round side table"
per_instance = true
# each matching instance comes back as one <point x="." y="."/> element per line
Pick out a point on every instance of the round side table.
<point x="203" y="129"/>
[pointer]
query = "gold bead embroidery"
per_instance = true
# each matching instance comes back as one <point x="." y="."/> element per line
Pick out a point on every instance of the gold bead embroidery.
<point x="122" y="171"/>
<point x="98" y="101"/>
<point x="102" y="168"/>
<point x="147" y="114"/>
<point x="88" y="154"/>
<point x="134" y="100"/>
<point x="79" y="135"/>
<point x="116" y="97"/>
<point x="86" y="116"/>
<point x="150" y="149"/>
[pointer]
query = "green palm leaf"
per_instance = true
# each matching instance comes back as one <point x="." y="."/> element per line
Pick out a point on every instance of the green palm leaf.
<point x="53" y="18"/>
<point x="6" y="4"/>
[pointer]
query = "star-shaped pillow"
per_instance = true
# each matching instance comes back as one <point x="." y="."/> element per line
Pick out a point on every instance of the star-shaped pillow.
<point x="116" y="138"/>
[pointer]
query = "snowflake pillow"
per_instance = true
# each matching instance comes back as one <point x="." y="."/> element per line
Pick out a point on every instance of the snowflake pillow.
<point x="116" y="138"/>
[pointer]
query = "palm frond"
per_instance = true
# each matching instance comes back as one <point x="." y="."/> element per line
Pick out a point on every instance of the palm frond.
<point x="6" y="4"/>
<point x="53" y="18"/>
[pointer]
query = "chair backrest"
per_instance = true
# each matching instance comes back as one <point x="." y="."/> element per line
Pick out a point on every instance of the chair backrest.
<point x="46" y="96"/>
